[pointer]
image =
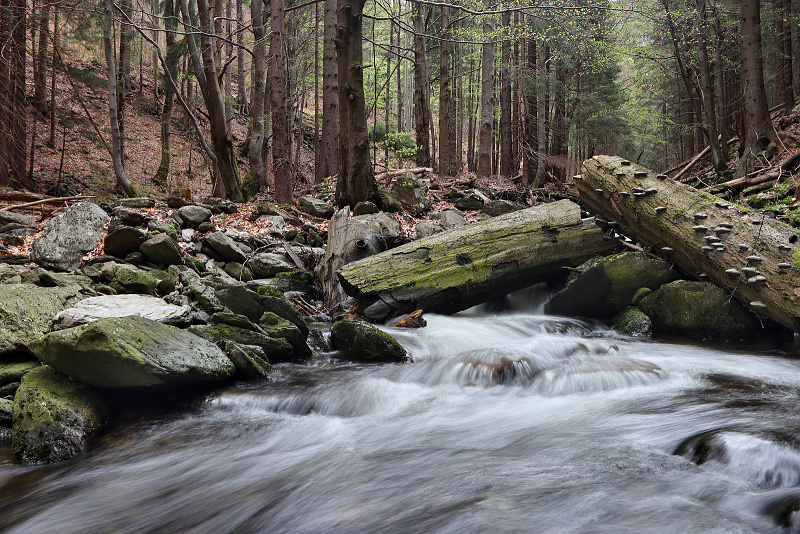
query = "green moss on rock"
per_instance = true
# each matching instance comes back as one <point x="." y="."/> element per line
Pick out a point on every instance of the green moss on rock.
<point x="698" y="309"/>
<point x="53" y="416"/>
<point x="276" y="350"/>
<point x="361" y="341"/>
<point x="633" y="322"/>
<point x="250" y="361"/>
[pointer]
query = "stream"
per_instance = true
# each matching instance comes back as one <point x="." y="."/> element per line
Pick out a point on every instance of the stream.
<point x="506" y="421"/>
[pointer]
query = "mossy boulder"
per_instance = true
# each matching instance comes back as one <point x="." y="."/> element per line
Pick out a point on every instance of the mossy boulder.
<point x="633" y="321"/>
<point x="698" y="309"/>
<point x="14" y="366"/>
<point x="162" y="250"/>
<point x="6" y="412"/>
<point x="122" y="352"/>
<point x="250" y="360"/>
<point x="276" y="350"/>
<point x="130" y="280"/>
<point x="26" y="311"/>
<point x="278" y="327"/>
<point x="253" y="305"/>
<point x="54" y="416"/>
<point x="363" y="342"/>
<point x="607" y="287"/>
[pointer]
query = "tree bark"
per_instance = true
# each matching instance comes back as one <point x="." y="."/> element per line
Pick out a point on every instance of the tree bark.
<point x="241" y="71"/>
<point x="541" y="114"/>
<point x="558" y="136"/>
<point x="446" y="165"/>
<point x="485" y="130"/>
<point x="506" y="122"/>
<point x="530" y="159"/>
<point x="356" y="181"/>
<point x="257" y="170"/>
<point x="40" y="73"/>
<point x="328" y="154"/>
<point x="677" y="235"/>
<point x="421" y="91"/>
<point x="173" y="55"/>
<point x="757" y="123"/>
<point x="281" y="164"/>
<point x="457" y="269"/>
<point x="709" y="103"/>
<point x="116" y="150"/>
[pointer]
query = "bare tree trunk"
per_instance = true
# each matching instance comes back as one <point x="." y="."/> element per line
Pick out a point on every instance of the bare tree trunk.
<point x="170" y="25"/>
<point x="241" y="71"/>
<point x="116" y="145"/>
<point x="757" y="123"/>
<point x="356" y="181"/>
<point x="280" y="122"/>
<point x="541" y="114"/>
<point x="228" y="183"/>
<point x="228" y="56"/>
<point x="506" y="121"/>
<point x="123" y="73"/>
<point x="328" y="154"/>
<point x="40" y="73"/>
<point x="51" y="142"/>
<point x="421" y="90"/>
<point x="558" y="135"/>
<point x="471" y="119"/>
<point x="485" y="130"/>
<point x="17" y="74"/>
<point x="709" y="104"/>
<point x="721" y="94"/>
<point x="257" y="170"/>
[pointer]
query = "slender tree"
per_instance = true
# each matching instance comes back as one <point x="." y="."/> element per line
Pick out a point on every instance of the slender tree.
<point x="281" y="151"/>
<point x="756" y="119"/>
<point x="485" y="131"/>
<point x="327" y="158"/>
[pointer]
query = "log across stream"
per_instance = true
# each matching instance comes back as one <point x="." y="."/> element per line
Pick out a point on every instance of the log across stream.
<point x="753" y="257"/>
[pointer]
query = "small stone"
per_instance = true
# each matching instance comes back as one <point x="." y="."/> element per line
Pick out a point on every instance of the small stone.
<point x="365" y="208"/>
<point x="661" y="209"/>
<point x="732" y="273"/>
<point x="753" y="260"/>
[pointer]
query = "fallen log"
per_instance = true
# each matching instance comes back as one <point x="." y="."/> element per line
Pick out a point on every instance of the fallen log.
<point x="742" y="251"/>
<point x="787" y="167"/>
<point x="454" y="270"/>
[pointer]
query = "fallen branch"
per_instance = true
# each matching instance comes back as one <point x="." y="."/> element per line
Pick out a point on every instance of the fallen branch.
<point x="295" y="258"/>
<point x="56" y="200"/>
<point x="746" y="181"/>
<point x="388" y="175"/>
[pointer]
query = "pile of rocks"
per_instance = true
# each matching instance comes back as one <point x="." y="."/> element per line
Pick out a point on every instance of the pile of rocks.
<point x="169" y="304"/>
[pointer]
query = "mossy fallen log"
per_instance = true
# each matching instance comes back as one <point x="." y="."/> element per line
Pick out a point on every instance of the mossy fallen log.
<point x="454" y="270"/>
<point x="753" y="257"/>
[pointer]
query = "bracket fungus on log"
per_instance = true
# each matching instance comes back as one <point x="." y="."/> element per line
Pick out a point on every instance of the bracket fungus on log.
<point x="679" y="230"/>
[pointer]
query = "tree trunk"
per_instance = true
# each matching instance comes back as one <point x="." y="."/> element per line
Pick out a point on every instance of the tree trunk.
<point x="558" y="136"/>
<point x="457" y="269"/>
<point x="506" y="121"/>
<point x="421" y="91"/>
<point x="530" y="159"/>
<point x="757" y="123"/>
<point x="173" y="55"/>
<point x="40" y="73"/>
<point x="116" y="145"/>
<point x="280" y="122"/>
<point x="446" y="166"/>
<point x="229" y="185"/>
<point x="541" y="114"/>
<point x="124" y="83"/>
<point x="241" y="71"/>
<point x="18" y="106"/>
<point x="228" y="56"/>
<point x="355" y="182"/>
<point x="328" y="154"/>
<point x="709" y="103"/>
<point x="258" y="172"/>
<point x="485" y="130"/>
<point x="677" y="234"/>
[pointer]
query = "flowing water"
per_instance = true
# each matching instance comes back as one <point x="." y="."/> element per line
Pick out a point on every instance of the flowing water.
<point x="504" y="422"/>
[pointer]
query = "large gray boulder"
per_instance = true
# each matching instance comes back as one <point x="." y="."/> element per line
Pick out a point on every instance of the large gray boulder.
<point x="608" y="286"/>
<point x="698" y="309"/>
<point x="95" y="308"/>
<point x="26" y="311"/>
<point x="388" y="226"/>
<point x="267" y="265"/>
<point x="121" y="352"/>
<point x="123" y="241"/>
<point x="225" y="247"/>
<point x="68" y="236"/>
<point x="10" y="217"/>
<point x="162" y="250"/>
<point x="53" y="416"/>
<point x="315" y="207"/>
<point x="360" y="341"/>
<point x="275" y="349"/>
<point x="250" y="360"/>
<point x="193" y="216"/>
<point x="410" y="194"/>
<point x="254" y="305"/>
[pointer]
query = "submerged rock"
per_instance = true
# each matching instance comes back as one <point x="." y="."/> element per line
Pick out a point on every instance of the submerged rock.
<point x="361" y="341"/>
<point x="132" y="352"/>
<point x="608" y="286"/>
<point x="68" y="236"/>
<point x="633" y="321"/>
<point x="698" y="309"/>
<point x="250" y="360"/>
<point x="54" y="416"/>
